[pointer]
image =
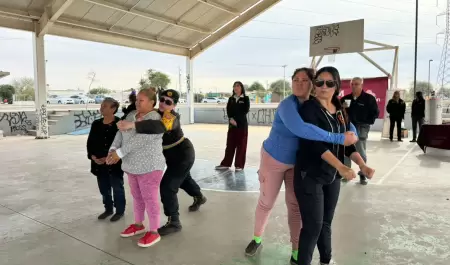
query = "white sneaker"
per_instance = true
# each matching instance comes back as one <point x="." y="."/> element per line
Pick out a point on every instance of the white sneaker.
<point x="238" y="169"/>
<point x="331" y="263"/>
<point x="221" y="167"/>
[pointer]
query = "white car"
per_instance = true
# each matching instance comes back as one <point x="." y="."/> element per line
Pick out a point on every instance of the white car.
<point x="59" y="100"/>
<point x="222" y="100"/>
<point x="82" y="100"/>
<point x="210" y="100"/>
<point x="182" y="101"/>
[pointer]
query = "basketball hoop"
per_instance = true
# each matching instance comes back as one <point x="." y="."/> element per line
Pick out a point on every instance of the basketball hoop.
<point x="331" y="51"/>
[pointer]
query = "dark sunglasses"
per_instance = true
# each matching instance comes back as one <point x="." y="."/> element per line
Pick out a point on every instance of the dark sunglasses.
<point x="328" y="83"/>
<point x="166" y="101"/>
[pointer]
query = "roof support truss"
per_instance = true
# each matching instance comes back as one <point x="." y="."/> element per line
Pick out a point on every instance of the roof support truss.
<point x="51" y="14"/>
<point x="133" y="11"/>
<point x="220" y="6"/>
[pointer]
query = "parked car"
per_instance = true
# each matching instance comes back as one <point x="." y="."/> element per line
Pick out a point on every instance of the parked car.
<point x="182" y="100"/>
<point x="210" y="100"/>
<point x="99" y="99"/>
<point x="82" y="99"/>
<point x="222" y="100"/>
<point x="54" y="99"/>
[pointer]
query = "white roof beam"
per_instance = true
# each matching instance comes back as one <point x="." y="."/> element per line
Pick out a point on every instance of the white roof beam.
<point x="123" y="32"/>
<point x="220" y="6"/>
<point x="68" y="31"/>
<point x="52" y="13"/>
<point x="17" y="13"/>
<point x="149" y="16"/>
<point x="232" y="26"/>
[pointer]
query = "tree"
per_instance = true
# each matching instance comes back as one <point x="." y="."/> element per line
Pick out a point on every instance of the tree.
<point x="420" y="86"/>
<point x="22" y="84"/>
<point x="445" y="91"/>
<point x="277" y="87"/>
<point x="256" y="86"/>
<point x="99" y="91"/>
<point x="6" y="92"/>
<point x="91" y="76"/>
<point x="198" y="97"/>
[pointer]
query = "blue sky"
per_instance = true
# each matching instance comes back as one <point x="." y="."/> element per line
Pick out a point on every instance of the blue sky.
<point x="252" y="53"/>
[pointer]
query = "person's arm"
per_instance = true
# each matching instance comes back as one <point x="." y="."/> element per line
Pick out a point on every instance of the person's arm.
<point x="246" y="104"/>
<point x="422" y="107"/>
<point x="293" y="121"/>
<point x="375" y="109"/>
<point x="168" y="122"/>
<point x="117" y="143"/>
<point x="229" y="114"/>
<point x="388" y="107"/>
<point x="403" y="109"/>
<point x="138" y="140"/>
<point x="353" y="129"/>
<point x="90" y="140"/>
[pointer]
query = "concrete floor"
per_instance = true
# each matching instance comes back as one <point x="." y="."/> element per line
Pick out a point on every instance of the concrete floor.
<point x="49" y="203"/>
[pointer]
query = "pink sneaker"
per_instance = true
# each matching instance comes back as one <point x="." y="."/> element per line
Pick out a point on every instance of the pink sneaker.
<point x="149" y="240"/>
<point x="133" y="230"/>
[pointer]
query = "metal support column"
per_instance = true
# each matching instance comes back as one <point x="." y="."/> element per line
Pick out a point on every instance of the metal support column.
<point x="40" y="84"/>
<point x="190" y="88"/>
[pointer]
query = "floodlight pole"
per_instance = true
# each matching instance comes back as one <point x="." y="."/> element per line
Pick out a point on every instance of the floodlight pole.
<point x="284" y="81"/>
<point x="415" y="46"/>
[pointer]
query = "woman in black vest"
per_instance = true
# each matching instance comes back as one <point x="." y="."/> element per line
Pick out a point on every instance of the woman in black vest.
<point x="396" y="108"/>
<point x="237" y="109"/>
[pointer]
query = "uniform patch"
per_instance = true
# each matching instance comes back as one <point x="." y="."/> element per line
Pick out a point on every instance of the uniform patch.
<point x="168" y="119"/>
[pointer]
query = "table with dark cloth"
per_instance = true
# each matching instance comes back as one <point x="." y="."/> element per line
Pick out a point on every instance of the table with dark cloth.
<point x="435" y="136"/>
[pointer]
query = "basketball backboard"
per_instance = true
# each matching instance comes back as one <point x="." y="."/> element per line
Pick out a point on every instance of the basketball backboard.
<point x="337" y="38"/>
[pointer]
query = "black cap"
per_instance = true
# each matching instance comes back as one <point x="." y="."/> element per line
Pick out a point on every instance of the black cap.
<point x="173" y="94"/>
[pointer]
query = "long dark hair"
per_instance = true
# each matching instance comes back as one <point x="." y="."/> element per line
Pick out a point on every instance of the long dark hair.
<point x="241" y="85"/>
<point x="419" y="96"/>
<point x="337" y="78"/>
<point x="308" y="71"/>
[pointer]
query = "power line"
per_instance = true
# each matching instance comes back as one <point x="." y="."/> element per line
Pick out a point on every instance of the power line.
<point x="335" y="14"/>
<point x="381" y="7"/>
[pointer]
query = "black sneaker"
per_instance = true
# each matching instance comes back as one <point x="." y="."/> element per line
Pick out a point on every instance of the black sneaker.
<point x="293" y="261"/>
<point x="116" y="217"/>
<point x="413" y="141"/>
<point x="252" y="248"/>
<point x="170" y="227"/>
<point x="198" y="201"/>
<point x="363" y="180"/>
<point x="104" y="215"/>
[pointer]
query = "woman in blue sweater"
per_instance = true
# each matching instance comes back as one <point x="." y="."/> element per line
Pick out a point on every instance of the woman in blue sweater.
<point x="278" y="156"/>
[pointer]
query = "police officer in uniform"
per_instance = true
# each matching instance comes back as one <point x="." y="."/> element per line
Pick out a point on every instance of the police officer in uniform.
<point x="180" y="157"/>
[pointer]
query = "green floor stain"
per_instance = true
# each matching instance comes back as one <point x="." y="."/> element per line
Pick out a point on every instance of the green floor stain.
<point x="268" y="255"/>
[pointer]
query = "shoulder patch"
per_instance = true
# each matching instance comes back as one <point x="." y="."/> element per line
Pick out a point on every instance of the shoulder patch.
<point x="168" y="119"/>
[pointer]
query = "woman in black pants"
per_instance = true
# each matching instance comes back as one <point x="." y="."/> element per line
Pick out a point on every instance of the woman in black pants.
<point x="320" y="166"/>
<point x="396" y="108"/>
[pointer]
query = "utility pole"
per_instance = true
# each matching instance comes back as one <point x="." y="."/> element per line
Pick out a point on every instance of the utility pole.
<point x="415" y="46"/>
<point x="179" y="79"/>
<point x="284" y="81"/>
<point x="429" y="67"/>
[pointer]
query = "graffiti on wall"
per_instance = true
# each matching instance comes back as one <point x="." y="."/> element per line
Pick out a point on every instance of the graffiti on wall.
<point x="18" y="122"/>
<point x="85" y="118"/>
<point x="263" y="116"/>
<point x="43" y="122"/>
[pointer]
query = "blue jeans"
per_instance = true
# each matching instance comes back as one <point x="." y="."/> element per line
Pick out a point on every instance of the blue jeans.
<point x="111" y="185"/>
<point x="363" y="133"/>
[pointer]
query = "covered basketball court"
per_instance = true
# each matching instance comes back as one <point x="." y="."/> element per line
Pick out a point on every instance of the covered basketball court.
<point x="179" y="27"/>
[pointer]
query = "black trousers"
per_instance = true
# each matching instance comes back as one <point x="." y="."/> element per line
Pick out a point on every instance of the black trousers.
<point x="180" y="160"/>
<point x="317" y="204"/>
<point x="393" y="121"/>
<point x="112" y="181"/>
<point x="415" y="121"/>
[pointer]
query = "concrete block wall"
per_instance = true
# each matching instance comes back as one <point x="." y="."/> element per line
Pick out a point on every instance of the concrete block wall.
<point x="17" y="123"/>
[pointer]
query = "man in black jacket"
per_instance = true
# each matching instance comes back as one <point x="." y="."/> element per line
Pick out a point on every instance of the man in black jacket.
<point x="396" y="108"/>
<point x="180" y="157"/>
<point x="417" y="114"/>
<point x="109" y="177"/>
<point x="362" y="110"/>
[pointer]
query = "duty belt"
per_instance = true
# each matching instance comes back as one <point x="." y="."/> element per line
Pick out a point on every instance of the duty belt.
<point x="165" y="147"/>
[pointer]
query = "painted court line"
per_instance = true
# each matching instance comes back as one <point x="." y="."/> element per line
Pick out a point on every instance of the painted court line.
<point x="383" y="178"/>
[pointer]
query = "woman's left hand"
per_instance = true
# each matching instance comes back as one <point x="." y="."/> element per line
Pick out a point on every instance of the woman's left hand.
<point x="112" y="158"/>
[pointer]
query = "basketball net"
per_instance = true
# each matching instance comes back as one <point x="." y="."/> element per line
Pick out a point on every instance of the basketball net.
<point x="332" y="56"/>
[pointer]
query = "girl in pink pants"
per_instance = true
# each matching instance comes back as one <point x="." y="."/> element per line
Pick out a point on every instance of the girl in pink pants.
<point x="144" y="162"/>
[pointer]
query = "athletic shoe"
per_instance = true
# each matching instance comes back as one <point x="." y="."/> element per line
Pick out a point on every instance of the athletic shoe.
<point x="133" y="230"/>
<point x="104" y="215"/>
<point x="252" y="248"/>
<point x="149" y="240"/>
<point x="170" y="227"/>
<point x="116" y="217"/>
<point x="198" y="201"/>
<point x="363" y="180"/>
<point x="238" y="169"/>
<point x="220" y="167"/>
<point x="293" y="261"/>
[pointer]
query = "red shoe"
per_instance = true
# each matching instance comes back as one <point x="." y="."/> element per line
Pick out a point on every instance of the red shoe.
<point x="149" y="240"/>
<point x="133" y="230"/>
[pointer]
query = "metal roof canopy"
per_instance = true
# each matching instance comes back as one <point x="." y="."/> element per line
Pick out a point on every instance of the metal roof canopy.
<point x="3" y="74"/>
<point x="180" y="27"/>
